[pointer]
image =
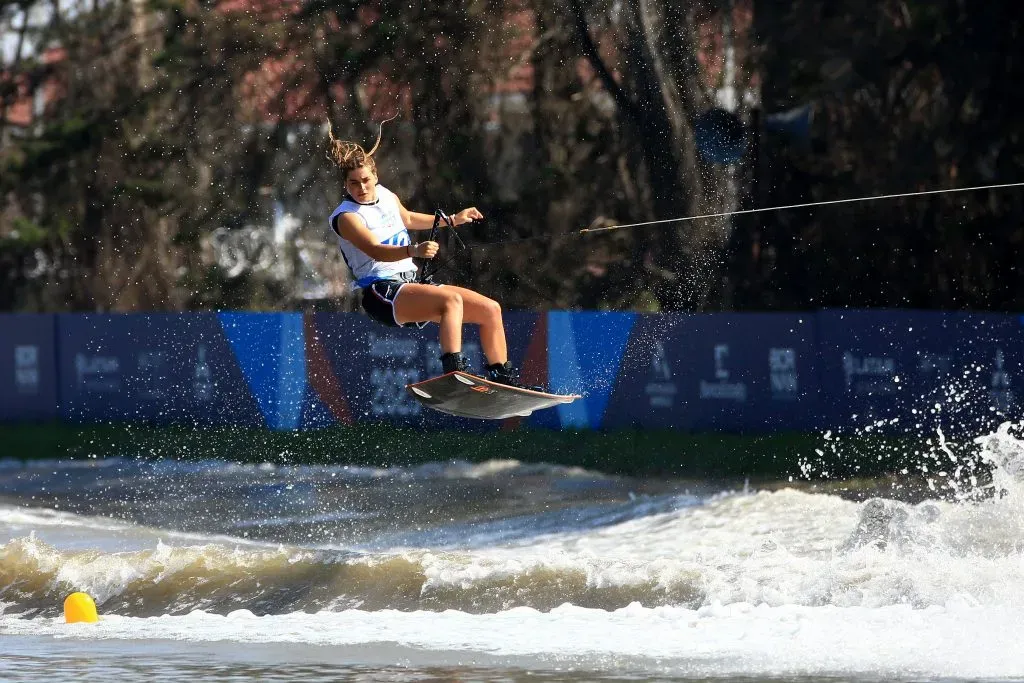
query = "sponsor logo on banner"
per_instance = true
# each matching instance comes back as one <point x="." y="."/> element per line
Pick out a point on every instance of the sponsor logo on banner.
<point x="101" y="374"/>
<point x="152" y="374"/>
<point x="870" y="375"/>
<point x="26" y="369"/>
<point x="782" y="374"/>
<point x="202" y="377"/>
<point x="388" y="397"/>
<point x="392" y="347"/>
<point x="660" y="389"/>
<point x="1000" y="394"/>
<point x="722" y="388"/>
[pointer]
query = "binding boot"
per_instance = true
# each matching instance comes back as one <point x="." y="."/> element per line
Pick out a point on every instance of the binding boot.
<point x="504" y="373"/>
<point x="454" y="362"/>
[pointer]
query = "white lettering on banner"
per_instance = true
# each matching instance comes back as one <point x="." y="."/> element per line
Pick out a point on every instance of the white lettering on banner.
<point x="26" y="369"/>
<point x="389" y="346"/>
<point x="152" y="375"/>
<point x="97" y="373"/>
<point x="389" y="397"/>
<point x="782" y="373"/>
<point x="723" y="389"/>
<point x="870" y="375"/>
<point x="735" y="391"/>
<point x="721" y="355"/>
<point x="660" y="389"/>
<point x="202" y="377"/>
<point x="1000" y="394"/>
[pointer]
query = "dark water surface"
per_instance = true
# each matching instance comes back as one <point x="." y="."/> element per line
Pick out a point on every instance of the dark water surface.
<point x="499" y="572"/>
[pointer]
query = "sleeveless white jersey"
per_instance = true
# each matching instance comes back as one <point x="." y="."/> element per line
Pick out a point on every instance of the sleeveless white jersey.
<point x="384" y="220"/>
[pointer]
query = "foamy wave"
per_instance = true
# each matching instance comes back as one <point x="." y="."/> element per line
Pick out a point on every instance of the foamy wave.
<point x="42" y="517"/>
<point x="1004" y="450"/>
<point x="176" y="580"/>
<point x="16" y="522"/>
<point x="953" y="641"/>
<point x="166" y="580"/>
<point x="776" y="548"/>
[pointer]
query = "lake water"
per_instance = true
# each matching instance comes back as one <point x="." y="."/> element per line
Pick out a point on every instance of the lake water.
<point x="502" y="572"/>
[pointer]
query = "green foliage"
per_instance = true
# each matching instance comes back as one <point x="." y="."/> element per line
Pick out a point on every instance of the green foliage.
<point x="24" y="233"/>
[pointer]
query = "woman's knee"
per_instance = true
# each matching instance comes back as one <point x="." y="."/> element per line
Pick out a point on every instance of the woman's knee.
<point x="492" y="309"/>
<point x="484" y="311"/>
<point x="451" y="302"/>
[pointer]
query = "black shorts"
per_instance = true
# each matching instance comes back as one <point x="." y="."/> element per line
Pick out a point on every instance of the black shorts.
<point x="379" y="301"/>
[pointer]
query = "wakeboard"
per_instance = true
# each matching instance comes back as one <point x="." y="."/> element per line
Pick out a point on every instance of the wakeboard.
<point x="465" y="395"/>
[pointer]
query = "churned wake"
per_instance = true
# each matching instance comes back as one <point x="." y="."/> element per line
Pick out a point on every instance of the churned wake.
<point x="777" y="548"/>
<point x="536" y="567"/>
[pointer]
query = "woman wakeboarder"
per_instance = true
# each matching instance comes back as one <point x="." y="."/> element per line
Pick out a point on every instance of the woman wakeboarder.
<point x="373" y="228"/>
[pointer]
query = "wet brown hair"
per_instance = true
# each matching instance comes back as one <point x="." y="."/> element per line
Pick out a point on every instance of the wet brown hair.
<point x="348" y="155"/>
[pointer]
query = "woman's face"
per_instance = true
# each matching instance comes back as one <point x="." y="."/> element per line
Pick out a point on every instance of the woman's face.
<point x="361" y="183"/>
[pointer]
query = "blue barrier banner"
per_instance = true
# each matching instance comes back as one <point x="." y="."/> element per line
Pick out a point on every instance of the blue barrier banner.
<point x="585" y="350"/>
<point x="987" y="387"/>
<point x="919" y="371"/>
<point x="709" y="372"/>
<point x="270" y="350"/>
<point x="894" y="371"/>
<point x="527" y="338"/>
<point x="28" y="367"/>
<point x="166" y="368"/>
<point x="649" y="390"/>
<point x="875" y="364"/>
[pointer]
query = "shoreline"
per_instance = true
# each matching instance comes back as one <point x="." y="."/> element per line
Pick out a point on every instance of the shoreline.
<point x="800" y="455"/>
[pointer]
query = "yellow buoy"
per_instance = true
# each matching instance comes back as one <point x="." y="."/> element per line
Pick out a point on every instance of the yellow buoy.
<point x="79" y="607"/>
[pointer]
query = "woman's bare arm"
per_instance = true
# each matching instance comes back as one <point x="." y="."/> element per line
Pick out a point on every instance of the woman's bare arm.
<point x="414" y="220"/>
<point x="351" y="227"/>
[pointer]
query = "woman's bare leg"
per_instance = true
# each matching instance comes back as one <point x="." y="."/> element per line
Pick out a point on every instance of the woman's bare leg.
<point x="442" y="305"/>
<point x="485" y="312"/>
<point x="450" y="307"/>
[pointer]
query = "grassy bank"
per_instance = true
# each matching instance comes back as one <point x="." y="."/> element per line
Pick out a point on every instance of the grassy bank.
<point x="621" y="452"/>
